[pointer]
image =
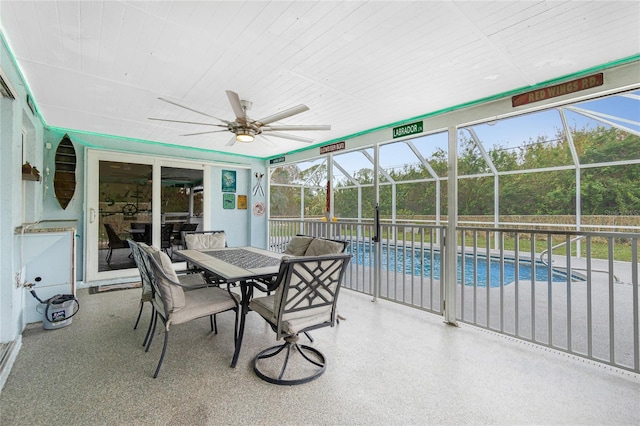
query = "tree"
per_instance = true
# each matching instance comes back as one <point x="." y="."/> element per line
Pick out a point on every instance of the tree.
<point x="605" y="189"/>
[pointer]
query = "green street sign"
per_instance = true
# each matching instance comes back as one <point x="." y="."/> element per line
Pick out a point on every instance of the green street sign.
<point x="407" y="129"/>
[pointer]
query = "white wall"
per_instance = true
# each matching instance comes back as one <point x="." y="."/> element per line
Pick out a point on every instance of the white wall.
<point x="15" y="117"/>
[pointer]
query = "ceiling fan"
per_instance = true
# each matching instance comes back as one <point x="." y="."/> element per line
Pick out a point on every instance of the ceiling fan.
<point x="245" y="129"/>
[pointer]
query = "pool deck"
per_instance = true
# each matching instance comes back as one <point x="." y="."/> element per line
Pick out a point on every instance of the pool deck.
<point x="560" y="316"/>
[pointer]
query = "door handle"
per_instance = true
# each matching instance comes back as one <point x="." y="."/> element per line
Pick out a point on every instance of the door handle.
<point x="92" y="215"/>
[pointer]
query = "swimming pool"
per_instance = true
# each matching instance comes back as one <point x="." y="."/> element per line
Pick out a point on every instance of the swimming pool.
<point x="405" y="260"/>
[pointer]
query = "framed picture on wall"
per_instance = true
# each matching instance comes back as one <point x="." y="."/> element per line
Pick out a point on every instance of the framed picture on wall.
<point x="228" y="181"/>
<point x="228" y="201"/>
<point x="242" y="202"/>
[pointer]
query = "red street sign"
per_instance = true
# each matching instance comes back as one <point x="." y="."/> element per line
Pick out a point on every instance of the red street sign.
<point x="577" y="85"/>
<point x="338" y="146"/>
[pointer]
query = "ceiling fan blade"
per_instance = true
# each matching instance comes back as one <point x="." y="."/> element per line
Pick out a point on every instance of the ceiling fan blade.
<point x="186" y="122"/>
<point x="234" y="100"/>
<point x="283" y="114"/>
<point x="269" y="141"/>
<point x="203" y="133"/>
<point x="194" y="110"/>
<point x="232" y="141"/>
<point x="292" y="137"/>
<point x="293" y="127"/>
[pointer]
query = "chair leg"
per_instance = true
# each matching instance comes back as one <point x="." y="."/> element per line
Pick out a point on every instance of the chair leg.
<point x="306" y="333"/>
<point x="235" y="326"/>
<point x="214" y="323"/>
<point x="139" y="315"/>
<point x="109" y="253"/>
<point x="291" y="345"/>
<point x="153" y="331"/>
<point x="164" y="349"/>
<point x="153" y="314"/>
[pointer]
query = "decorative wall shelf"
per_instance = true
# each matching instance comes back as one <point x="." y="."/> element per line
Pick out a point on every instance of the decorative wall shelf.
<point x="30" y="173"/>
<point x="31" y="176"/>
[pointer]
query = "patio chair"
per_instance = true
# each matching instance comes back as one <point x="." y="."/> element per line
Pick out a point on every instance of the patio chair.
<point x="178" y="239"/>
<point x="138" y="237"/>
<point x="175" y="306"/>
<point x="189" y="279"/>
<point x="198" y="240"/>
<point x="115" y="242"/>
<point x="145" y="278"/>
<point x="304" y="245"/>
<point x="306" y="292"/>
<point x="166" y="232"/>
<point x="148" y="233"/>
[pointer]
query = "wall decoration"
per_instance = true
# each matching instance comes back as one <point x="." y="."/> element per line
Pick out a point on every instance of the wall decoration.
<point x="242" y="202"/>
<point x="64" y="180"/>
<point x="228" y="201"/>
<point x="257" y="188"/>
<point x="258" y="208"/>
<point x="228" y="181"/>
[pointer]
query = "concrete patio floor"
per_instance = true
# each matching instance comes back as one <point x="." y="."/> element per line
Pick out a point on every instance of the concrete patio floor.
<point x="387" y="364"/>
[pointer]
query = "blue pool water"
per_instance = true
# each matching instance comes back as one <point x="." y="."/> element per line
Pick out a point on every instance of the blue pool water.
<point x="418" y="263"/>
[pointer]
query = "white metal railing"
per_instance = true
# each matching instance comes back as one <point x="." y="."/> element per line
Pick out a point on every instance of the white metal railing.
<point x="585" y="305"/>
<point x="566" y="305"/>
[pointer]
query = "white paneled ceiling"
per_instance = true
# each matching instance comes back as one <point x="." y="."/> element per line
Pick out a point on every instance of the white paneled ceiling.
<point x="100" y="66"/>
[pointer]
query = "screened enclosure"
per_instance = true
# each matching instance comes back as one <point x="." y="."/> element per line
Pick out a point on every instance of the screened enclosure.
<point x="547" y="216"/>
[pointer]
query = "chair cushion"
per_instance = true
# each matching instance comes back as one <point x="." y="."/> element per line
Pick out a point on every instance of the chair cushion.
<point x="264" y="307"/>
<point x="203" y="302"/>
<point x="321" y="247"/>
<point x="205" y="241"/>
<point x="298" y="245"/>
<point x="172" y="294"/>
<point x="194" y="280"/>
<point x="293" y="323"/>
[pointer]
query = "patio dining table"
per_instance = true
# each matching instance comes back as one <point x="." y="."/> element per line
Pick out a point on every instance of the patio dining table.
<point x="233" y="265"/>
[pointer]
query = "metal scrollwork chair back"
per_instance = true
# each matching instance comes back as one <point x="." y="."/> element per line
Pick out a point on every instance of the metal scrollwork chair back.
<point x="306" y="292"/>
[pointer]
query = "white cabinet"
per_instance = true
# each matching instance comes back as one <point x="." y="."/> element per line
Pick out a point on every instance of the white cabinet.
<point x="49" y="261"/>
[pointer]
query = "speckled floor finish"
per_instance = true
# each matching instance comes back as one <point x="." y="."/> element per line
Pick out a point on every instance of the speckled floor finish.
<point x="387" y="364"/>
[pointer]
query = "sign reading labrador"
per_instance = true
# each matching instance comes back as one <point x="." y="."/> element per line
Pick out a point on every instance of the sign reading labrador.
<point x="408" y="129"/>
<point x="577" y="85"/>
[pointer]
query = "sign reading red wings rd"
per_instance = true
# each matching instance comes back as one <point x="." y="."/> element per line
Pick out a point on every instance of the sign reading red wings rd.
<point x="338" y="146"/>
<point x="577" y="85"/>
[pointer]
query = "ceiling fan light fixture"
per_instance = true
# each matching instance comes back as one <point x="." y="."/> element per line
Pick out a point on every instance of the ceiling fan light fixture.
<point x="245" y="135"/>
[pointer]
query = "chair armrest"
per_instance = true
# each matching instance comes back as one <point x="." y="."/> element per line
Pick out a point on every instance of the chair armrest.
<point x="265" y="285"/>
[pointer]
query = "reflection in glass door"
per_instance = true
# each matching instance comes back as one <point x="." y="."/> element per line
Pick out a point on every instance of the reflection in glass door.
<point x="124" y="204"/>
<point x="181" y="207"/>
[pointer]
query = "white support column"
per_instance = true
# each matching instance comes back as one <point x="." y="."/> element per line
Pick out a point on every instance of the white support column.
<point x="376" y="190"/>
<point x="576" y="162"/>
<point x="156" y="204"/>
<point x="451" y="259"/>
<point x="331" y="232"/>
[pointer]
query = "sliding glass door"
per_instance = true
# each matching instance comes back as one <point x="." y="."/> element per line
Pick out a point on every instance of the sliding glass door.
<point x="140" y="198"/>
